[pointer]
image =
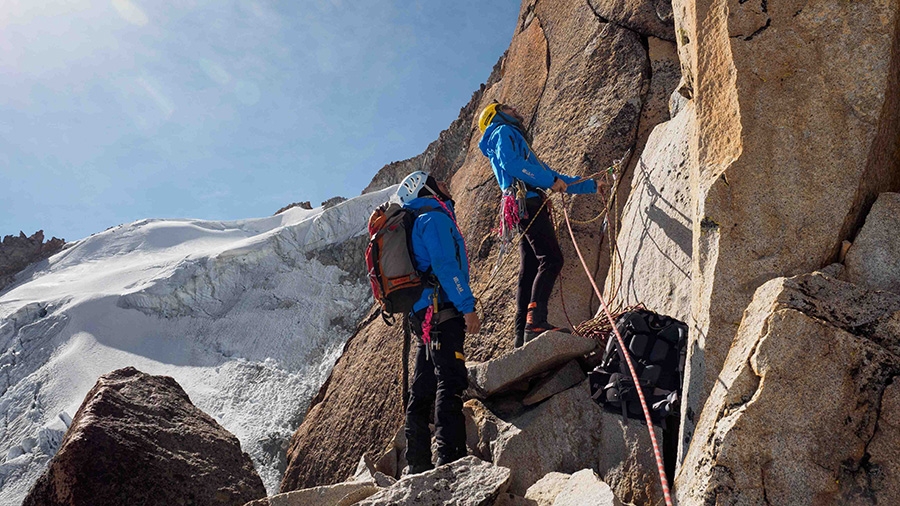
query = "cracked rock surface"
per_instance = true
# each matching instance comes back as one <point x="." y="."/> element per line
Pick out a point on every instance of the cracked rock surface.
<point x="805" y="402"/>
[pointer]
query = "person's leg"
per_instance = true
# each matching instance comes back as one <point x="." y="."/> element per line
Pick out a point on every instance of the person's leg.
<point x="452" y="380"/>
<point x="541" y="236"/>
<point x="528" y="268"/>
<point x="418" y="410"/>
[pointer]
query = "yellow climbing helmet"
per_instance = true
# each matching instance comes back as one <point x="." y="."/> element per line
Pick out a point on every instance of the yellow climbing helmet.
<point x="487" y="115"/>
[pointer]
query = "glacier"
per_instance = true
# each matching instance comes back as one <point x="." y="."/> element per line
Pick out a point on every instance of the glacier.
<point x="248" y="316"/>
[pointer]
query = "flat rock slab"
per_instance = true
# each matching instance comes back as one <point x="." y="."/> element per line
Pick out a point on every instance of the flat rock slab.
<point x="567" y="377"/>
<point x="549" y="350"/>
<point x="466" y="482"/>
<point x="328" y="495"/>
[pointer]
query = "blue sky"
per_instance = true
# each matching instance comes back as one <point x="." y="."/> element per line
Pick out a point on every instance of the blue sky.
<point x="117" y="110"/>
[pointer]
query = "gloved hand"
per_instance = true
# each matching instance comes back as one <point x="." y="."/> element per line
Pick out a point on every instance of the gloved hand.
<point x="559" y="186"/>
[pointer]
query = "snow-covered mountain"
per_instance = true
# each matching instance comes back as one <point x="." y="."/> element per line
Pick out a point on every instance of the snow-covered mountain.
<point x="248" y="316"/>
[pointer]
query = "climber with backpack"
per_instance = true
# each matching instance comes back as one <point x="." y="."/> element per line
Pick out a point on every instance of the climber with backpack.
<point x="524" y="180"/>
<point x="440" y="317"/>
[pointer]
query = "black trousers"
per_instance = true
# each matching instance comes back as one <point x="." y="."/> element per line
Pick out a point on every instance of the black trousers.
<point x="439" y="382"/>
<point x="541" y="261"/>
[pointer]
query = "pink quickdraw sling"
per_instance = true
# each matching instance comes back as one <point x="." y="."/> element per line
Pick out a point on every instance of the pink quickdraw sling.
<point x="509" y="218"/>
<point x="426" y="325"/>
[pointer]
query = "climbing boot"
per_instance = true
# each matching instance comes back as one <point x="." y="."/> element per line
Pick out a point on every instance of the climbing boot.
<point x="536" y="323"/>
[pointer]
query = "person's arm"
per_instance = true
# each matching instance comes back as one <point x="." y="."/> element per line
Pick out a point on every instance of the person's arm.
<point x="448" y="260"/>
<point x="586" y="186"/>
<point x="509" y="154"/>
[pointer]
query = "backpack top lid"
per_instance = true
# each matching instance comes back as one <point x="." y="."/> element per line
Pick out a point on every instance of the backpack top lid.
<point x="381" y="215"/>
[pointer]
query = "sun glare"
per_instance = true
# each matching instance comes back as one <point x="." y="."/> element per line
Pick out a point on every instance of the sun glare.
<point x="130" y="12"/>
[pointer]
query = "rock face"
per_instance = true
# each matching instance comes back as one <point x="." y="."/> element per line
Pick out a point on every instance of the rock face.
<point x="645" y="17"/>
<point x="781" y="132"/>
<point x="805" y="403"/>
<point x="324" y="449"/>
<point x="784" y="164"/>
<point x="872" y="260"/>
<point x="333" y="201"/>
<point x="18" y="252"/>
<point x="138" y="437"/>
<point x="585" y="87"/>
<point x="657" y="247"/>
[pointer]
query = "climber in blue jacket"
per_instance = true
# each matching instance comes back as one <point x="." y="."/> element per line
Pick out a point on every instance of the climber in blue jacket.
<point x="440" y="318"/>
<point x="519" y="171"/>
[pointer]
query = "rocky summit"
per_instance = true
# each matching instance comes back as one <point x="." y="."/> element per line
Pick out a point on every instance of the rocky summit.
<point x="18" y="252"/>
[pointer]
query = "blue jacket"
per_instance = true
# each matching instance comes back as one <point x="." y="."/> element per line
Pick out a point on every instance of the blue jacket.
<point x="512" y="158"/>
<point x="437" y="245"/>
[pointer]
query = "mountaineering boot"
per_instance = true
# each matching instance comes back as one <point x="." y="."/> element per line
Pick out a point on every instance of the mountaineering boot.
<point x="536" y="322"/>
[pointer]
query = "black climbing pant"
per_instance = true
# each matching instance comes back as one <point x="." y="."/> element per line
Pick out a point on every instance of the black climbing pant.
<point x="541" y="261"/>
<point x="440" y="382"/>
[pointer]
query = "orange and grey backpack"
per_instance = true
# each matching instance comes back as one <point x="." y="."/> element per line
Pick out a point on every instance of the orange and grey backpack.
<point x="396" y="284"/>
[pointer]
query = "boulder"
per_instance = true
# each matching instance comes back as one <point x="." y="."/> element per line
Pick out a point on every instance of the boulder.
<point x="566" y="433"/>
<point x="545" y="490"/>
<point x="547" y="351"/>
<point x="568" y="376"/>
<point x="467" y="481"/>
<point x="139" y="437"/>
<point x="585" y="488"/>
<point x="393" y="460"/>
<point x="874" y="258"/>
<point x="805" y="410"/>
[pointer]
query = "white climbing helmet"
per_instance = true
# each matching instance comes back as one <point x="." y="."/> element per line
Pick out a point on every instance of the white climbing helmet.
<point x="411" y="186"/>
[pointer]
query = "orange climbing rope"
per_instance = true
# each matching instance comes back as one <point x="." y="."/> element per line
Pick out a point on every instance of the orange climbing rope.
<point x="659" y="461"/>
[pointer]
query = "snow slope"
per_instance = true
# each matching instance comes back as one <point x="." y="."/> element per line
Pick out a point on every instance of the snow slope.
<point x="248" y="316"/>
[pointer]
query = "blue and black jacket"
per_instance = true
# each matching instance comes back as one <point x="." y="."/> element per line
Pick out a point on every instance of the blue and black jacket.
<point x="512" y="158"/>
<point x="439" y="248"/>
